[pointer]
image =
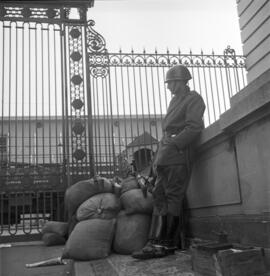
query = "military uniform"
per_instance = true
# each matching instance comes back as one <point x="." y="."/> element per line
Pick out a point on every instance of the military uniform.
<point x="181" y="126"/>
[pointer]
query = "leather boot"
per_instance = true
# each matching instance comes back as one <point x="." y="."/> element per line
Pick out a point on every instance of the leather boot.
<point x="172" y="227"/>
<point x="153" y="248"/>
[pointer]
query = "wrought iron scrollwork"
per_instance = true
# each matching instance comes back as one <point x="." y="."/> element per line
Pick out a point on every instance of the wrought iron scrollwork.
<point x="95" y="41"/>
<point x="97" y="52"/>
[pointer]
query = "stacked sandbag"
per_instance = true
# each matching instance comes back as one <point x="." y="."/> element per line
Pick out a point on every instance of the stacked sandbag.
<point x="91" y="239"/>
<point x="93" y="218"/>
<point x="131" y="232"/>
<point x="103" y="206"/>
<point x="133" y="222"/>
<point x="54" y="233"/>
<point x="133" y="200"/>
<point x="76" y="194"/>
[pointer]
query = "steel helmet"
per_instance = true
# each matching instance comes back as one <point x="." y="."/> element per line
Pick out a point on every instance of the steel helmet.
<point x="178" y="72"/>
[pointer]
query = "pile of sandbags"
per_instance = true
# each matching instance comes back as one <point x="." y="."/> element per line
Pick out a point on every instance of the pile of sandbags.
<point x="133" y="222"/>
<point x="102" y="219"/>
<point x="93" y="207"/>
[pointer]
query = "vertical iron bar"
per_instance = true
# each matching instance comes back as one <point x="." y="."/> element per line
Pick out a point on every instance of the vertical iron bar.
<point x="217" y="87"/>
<point x="111" y="119"/>
<point x="29" y="96"/>
<point x="56" y="99"/>
<point x="94" y="122"/>
<point x="9" y="97"/>
<point x="143" y="118"/>
<point x="42" y="95"/>
<point x="49" y="95"/>
<point x="89" y="109"/>
<point x="135" y="94"/>
<point x="103" y="99"/>
<point x="3" y="85"/>
<point x="99" y="128"/>
<point x="23" y="92"/>
<point x="154" y="101"/>
<point x="66" y="161"/>
<point x="109" y="122"/>
<point x="36" y="97"/>
<point x="123" y="102"/>
<point x="148" y="104"/>
<point x="223" y="90"/>
<point x="130" y="104"/>
<point x="117" y="110"/>
<point x="205" y="86"/>
<point x="16" y="98"/>
<point x="212" y="93"/>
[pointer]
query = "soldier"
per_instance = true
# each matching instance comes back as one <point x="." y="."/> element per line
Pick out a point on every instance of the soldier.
<point x="181" y="125"/>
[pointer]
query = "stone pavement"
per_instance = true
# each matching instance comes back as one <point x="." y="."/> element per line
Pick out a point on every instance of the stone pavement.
<point x="123" y="265"/>
<point x="14" y="258"/>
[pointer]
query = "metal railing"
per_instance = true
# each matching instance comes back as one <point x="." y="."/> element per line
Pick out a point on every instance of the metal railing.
<point x="54" y="121"/>
<point x="129" y="96"/>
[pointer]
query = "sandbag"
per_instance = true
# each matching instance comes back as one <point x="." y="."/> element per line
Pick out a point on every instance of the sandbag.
<point x="57" y="227"/>
<point x="134" y="202"/>
<point x="76" y="194"/>
<point x="103" y="206"/>
<point x="51" y="239"/>
<point x="90" y="239"/>
<point x="129" y="183"/>
<point x="131" y="232"/>
<point x="72" y="223"/>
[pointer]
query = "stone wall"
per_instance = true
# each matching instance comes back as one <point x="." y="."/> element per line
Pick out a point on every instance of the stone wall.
<point x="230" y="183"/>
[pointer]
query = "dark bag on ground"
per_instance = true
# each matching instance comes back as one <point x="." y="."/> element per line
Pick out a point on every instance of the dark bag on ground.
<point x="133" y="201"/>
<point x="51" y="239"/>
<point x="90" y="239"/>
<point x="76" y="194"/>
<point x="131" y="232"/>
<point x="104" y="206"/>
<point x="57" y="227"/>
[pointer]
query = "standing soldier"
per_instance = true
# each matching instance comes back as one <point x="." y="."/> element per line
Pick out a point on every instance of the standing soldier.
<point x="181" y="125"/>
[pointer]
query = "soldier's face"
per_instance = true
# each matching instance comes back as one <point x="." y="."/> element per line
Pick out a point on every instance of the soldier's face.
<point x="176" y="86"/>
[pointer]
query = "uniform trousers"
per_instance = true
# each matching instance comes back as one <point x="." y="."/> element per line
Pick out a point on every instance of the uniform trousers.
<point x="170" y="188"/>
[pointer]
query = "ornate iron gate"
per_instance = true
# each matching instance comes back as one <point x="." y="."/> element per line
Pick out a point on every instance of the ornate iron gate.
<point x="45" y="144"/>
<point x="70" y="109"/>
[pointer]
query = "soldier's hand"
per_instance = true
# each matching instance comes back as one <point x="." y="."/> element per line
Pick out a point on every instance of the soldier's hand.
<point x="167" y="140"/>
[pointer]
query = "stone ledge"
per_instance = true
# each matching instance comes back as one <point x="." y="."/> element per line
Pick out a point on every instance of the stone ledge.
<point x="247" y="106"/>
<point x="244" y="112"/>
<point x="250" y="88"/>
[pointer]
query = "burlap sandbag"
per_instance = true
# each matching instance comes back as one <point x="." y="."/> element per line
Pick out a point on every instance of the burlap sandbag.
<point x="104" y="206"/>
<point x="76" y="194"/>
<point x="51" y="239"/>
<point x="131" y="232"/>
<point x="57" y="227"/>
<point x="134" y="202"/>
<point x="129" y="183"/>
<point x="90" y="239"/>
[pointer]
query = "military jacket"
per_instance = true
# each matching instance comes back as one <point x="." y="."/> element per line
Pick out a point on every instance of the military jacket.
<point x="181" y="125"/>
